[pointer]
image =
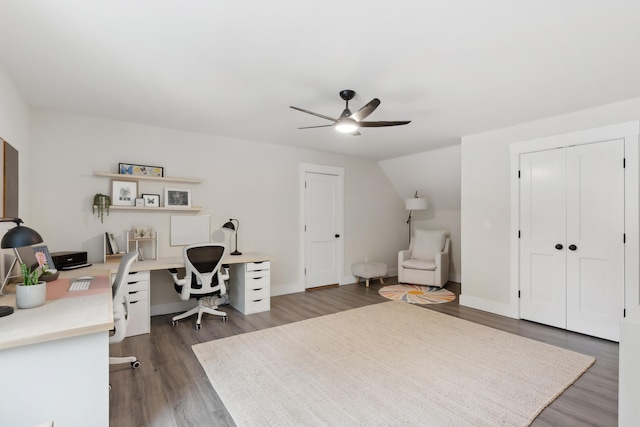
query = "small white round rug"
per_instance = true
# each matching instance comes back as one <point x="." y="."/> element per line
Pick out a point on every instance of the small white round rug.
<point x="417" y="294"/>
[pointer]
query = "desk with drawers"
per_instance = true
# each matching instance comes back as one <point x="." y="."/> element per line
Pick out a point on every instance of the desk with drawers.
<point x="249" y="285"/>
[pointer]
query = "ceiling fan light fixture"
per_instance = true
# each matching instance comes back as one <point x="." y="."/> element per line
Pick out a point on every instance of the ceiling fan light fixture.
<point x="346" y="125"/>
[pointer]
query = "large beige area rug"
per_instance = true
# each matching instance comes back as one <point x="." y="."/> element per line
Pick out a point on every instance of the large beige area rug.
<point x="388" y="364"/>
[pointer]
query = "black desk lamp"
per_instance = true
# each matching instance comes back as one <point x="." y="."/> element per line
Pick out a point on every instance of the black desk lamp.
<point x="16" y="238"/>
<point x="229" y="226"/>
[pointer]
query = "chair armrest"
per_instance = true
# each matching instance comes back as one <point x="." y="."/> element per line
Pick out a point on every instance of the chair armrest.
<point x="403" y="256"/>
<point x="174" y="273"/>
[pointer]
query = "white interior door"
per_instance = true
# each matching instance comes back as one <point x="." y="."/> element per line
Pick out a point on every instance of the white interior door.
<point x="322" y="231"/>
<point x="595" y="230"/>
<point x="542" y="229"/>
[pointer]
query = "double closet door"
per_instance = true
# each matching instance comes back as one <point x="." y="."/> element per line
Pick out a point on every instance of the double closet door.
<point x="572" y="238"/>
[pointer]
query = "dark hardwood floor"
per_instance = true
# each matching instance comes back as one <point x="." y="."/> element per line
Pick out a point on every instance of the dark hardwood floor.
<point x="171" y="388"/>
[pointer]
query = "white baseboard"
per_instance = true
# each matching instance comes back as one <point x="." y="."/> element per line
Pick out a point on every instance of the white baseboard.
<point x="490" y="306"/>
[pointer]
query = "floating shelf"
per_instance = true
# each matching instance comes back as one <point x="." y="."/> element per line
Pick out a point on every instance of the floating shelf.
<point x="158" y="209"/>
<point x="149" y="178"/>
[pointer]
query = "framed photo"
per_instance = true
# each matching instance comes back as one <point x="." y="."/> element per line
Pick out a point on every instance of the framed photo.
<point x="124" y="193"/>
<point x="177" y="198"/>
<point x="44" y="257"/>
<point x="151" y="200"/>
<point x="141" y="232"/>
<point x="129" y="169"/>
<point x="139" y="201"/>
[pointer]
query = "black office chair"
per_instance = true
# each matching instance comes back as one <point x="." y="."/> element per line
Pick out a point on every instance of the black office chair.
<point x="121" y="308"/>
<point x="204" y="277"/>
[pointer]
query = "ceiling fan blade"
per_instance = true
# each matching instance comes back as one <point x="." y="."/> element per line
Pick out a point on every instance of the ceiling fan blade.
<point x="322" y="116"/>
<point x="382" y="124"/>
<point x="312" y="127"/>
<point x="355" y="133"/>
<point x="362" y="113"/>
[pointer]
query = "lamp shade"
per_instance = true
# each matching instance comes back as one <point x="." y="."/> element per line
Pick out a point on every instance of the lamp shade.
<point x="229" y="226"/>
<point x="20" y="236"/>
<point x="416" y="204"/>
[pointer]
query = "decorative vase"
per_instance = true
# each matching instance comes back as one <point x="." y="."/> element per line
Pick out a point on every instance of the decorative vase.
<point x="31" y="296"/>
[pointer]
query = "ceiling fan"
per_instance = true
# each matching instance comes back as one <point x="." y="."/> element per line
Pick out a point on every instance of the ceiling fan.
<point x="348" y="122"/>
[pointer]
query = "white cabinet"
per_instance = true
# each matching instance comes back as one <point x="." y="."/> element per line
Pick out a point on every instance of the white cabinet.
<point x="138" y="292"/>
<point x="250" y="287"/>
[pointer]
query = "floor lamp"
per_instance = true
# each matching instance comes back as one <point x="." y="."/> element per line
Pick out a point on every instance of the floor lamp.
<point x="414" y="204"/>
<point x="16" y="237"/>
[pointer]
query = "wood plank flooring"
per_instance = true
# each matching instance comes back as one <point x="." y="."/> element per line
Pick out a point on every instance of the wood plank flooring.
<point x="171" y="388"/>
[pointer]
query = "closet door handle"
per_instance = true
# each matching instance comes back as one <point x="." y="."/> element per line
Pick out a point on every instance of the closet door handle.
<point x="559" y="247"/>
<point x="573" y="247"/>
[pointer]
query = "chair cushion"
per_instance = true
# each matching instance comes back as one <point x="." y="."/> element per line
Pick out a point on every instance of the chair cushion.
<point x="419" y="264"/>
<point x="426" y="243"/>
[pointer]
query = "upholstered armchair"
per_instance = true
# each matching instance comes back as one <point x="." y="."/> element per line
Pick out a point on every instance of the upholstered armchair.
<point x="426" y="262"/>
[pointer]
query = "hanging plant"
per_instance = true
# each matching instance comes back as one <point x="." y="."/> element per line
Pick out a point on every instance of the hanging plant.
<point x="101" y="203"/>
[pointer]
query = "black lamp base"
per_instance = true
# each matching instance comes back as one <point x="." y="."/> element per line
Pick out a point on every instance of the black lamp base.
<point x="236" y="252"/>
<point x="5" y="310"/>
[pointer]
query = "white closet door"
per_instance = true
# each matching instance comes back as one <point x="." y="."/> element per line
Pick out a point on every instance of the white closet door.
<point x="595" y="229"/>
<point x="542" y="227"/>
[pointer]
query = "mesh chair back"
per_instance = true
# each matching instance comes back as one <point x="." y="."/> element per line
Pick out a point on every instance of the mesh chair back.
<point x="202" y="263"/>
<point x="118" y="288"/>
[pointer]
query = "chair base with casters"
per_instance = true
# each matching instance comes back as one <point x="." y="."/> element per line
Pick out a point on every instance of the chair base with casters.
<point x="200" y="309"/>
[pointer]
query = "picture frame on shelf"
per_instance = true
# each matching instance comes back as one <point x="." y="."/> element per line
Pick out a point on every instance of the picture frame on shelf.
<point x="151" y="200"/>
<point x="177" y="198"/>
<point x="139" y="202"/>
<point x="124" y="193"/>
<point x="44" y="257"/>
<point x="141" y="232"/>
<point x="143" y="170"/>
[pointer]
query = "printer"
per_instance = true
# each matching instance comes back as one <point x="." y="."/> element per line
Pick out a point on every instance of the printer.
<point x="69" y="260"/>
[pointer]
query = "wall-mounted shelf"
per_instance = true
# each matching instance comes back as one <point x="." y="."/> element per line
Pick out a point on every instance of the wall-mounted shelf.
<point x="149" y="178"/>
<point x="158" y="209"/>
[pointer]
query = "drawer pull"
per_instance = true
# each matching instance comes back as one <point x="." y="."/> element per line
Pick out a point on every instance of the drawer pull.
<point x="257" y="300"/>
<point x="258" y="278"/>
<point x="134" y="302"/>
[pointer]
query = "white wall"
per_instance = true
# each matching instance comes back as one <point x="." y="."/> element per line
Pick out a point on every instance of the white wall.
<point x="14" y="128"/>
<point x="436" y="176"/>
<point x="486" y="198"/>
<point x="254" y="182"/>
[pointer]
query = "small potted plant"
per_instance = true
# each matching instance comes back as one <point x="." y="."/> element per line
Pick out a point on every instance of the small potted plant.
<point x="101" y="203"/>
<point x="31" y="292"/>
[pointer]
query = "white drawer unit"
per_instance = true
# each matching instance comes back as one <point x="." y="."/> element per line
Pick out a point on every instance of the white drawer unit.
<point x="138" y="290"/>
<point x="250" y="287"/>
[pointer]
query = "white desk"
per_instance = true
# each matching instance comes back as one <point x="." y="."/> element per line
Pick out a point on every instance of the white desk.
<point x="54" y="359"/>
<point x="249" y="285"/>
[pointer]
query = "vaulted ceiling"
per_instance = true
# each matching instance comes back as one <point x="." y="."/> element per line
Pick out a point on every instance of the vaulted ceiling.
<point x="233" y="68"/>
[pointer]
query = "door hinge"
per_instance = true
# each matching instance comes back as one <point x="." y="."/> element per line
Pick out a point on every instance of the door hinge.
<point x="518" y="234"/>
<point x="305" y="271"/>
<point x="518" y="294"/>
<point x="624" y="237"/>
<point x="518" y="174"/>
<point x="305" y="184"/>
<point x="624" y="312"/>
<point x="624" y="163"/>
<point x="305" y="227"/>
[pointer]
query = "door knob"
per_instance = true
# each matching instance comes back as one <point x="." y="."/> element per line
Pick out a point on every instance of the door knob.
<point x="573" y="247"/>
<point x="337" y="235"/>
<point x="559" y="246"/>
